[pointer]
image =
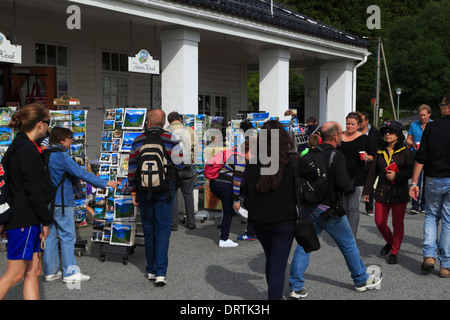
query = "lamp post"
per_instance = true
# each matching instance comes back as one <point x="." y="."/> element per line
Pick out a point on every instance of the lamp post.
<point x="398" y="91"/>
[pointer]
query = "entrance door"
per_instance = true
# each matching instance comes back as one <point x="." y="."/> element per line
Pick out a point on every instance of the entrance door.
<point x="23" y="79"/>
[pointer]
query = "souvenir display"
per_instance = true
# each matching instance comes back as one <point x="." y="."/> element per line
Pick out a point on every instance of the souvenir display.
<point x="114" y="213"/>
<point x="6" y="133"/>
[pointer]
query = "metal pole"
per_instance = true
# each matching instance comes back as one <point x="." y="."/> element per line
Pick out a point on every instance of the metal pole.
<point x="396" y="116"/>
<point x="377" y="99"/>
<point x="398" y="107"/>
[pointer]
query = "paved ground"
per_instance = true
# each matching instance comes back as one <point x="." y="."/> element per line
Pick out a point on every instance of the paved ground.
<point x="199" y="270"/>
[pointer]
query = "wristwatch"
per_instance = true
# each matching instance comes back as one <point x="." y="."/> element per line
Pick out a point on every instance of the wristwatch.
<point x="413" y="185"/>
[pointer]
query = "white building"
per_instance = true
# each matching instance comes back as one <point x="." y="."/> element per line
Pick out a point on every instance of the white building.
<point x="205" y="48"/>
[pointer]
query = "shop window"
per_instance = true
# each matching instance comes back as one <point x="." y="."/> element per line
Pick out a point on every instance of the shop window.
<point x="115" y="92"/>
<point x="112" y="61"/>
<point x="62" y="84"/>
<point x="52" y="55"/>
<point x="58" y="56"/>
<point x="215" y="105"/>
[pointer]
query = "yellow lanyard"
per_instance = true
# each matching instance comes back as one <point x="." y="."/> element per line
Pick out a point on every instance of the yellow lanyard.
<point x="388" y="157"/>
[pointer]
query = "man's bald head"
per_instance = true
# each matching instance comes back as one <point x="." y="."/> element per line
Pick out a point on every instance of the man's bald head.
<point x="156" y="118"/>
<point x="328" y="132"/>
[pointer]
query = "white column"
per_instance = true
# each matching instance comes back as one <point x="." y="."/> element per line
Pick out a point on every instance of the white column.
<point x="339" y="100"/>
<point x="179" y="76"/>
<point x="274" y="81"/>
<point x="315" y="94"/>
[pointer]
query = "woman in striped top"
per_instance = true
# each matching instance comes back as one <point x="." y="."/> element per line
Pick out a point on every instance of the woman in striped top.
<point x="227" y="187"/>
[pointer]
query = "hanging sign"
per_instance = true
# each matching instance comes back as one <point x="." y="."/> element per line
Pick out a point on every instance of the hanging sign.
<point x="8" y="52"/>
<point x="143" y="62"/>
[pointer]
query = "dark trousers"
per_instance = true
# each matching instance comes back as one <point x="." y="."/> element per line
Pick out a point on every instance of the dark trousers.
<point x="277" y="244"/>
<point x="187" y="190"/>
<point x="224" y="191"/>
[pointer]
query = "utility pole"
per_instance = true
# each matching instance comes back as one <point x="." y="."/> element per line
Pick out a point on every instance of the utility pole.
<point x="376" y="107"/>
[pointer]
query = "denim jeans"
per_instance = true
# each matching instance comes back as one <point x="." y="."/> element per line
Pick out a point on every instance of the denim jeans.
<point x="437" y="208"/>
<point x="64" y="226"/>
<point x="339" y="229"/>
<point x="156" y="216"/>
<point x="224" y="191"/>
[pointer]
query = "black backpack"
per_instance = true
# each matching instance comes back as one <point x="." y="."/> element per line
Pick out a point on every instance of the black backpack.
<point x="155" y="170"/>
<point x="50" y="188"/>
<point x="315" y="192"/>
<point x="6" y="209"/>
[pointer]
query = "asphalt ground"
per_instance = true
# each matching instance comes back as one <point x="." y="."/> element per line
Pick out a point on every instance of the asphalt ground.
<point x="200" y="273"/>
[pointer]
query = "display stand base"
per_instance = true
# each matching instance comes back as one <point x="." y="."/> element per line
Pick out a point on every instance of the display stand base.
<point x="129" y="250"/>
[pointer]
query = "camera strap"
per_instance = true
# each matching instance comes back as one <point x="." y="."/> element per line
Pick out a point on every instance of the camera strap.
<point x="331" y="176"/>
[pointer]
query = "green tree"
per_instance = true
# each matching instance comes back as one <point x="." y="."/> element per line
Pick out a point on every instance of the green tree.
<point x="419" y="55"/>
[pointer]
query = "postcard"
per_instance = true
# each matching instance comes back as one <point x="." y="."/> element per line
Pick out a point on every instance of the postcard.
<point x="108" y="125"/>
<point x="134" y="118"/>
<point x="5" y="136"/>
<point x="127" y="140"/>
<point x="123" y="209"/>
<point x="122" y="233"/>
<point x="78" y="115"/>
<point x="123" y="189"/>
<point x="105" y="158"/>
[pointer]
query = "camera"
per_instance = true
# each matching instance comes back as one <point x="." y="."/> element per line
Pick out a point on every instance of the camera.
<point x="335" y="209"/>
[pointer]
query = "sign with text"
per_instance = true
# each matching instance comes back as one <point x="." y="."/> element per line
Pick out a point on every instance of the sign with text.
<point x="8" y="52"/>
<point x="143" y="62"/>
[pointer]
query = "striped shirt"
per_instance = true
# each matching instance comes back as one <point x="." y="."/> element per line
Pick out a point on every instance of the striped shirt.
<point x="233" y="172"/>
<point x="170" y="145"/>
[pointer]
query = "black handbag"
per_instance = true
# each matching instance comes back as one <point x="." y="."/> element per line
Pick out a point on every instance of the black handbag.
<point x="305" y="231"/>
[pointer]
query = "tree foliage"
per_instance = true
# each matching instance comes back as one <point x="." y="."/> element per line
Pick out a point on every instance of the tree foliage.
<point x="413" y="38"/>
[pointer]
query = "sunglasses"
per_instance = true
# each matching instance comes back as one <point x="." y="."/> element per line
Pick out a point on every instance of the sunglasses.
<point x="390" y="131"/>
<point x="443" y="104"/>
<point x="47" y="122"/>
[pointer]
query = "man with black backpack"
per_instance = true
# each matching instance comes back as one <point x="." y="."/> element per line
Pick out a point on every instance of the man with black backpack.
<point x="152" y="171"/>
<point x="329" y="215"/>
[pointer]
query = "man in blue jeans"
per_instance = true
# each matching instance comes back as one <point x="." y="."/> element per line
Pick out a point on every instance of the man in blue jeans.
<point x="336" y="225"/>
<point x="155" y="212"/>
<point x="433" y="158"/>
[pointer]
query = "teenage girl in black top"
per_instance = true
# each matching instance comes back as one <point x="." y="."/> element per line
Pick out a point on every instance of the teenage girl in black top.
<point x="25" y="172"/>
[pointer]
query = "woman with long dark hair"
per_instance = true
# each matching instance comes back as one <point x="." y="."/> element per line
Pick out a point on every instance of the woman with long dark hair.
<point x="24" y="170"/>
<point x="393" y="166"/>
<point x="270" y="190"/>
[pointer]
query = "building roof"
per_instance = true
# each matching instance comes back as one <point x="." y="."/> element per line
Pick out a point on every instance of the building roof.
<point x="261" y="10"/>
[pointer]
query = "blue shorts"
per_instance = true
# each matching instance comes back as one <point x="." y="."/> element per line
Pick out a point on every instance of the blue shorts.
<point x="23" y="242"/>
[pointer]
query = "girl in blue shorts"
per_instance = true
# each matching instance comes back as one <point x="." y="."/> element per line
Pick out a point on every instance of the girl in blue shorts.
<point x="24" y="168"/>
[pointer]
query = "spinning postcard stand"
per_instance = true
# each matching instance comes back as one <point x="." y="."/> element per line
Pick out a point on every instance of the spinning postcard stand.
<point x="115" y="216"/>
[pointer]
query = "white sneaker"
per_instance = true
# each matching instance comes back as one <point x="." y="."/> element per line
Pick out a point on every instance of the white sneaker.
<point x="227" y="243"/>
<point x="371" y="283"/>
<point x="242" y="212"/>
<point x="160" y="281"/>
<point x="77" y="277"/>
<point x="151" y="276"/>
<point x="54" y="276"/>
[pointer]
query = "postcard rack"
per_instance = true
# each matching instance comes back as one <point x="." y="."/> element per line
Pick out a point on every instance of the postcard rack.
<point x="115" y="217"/>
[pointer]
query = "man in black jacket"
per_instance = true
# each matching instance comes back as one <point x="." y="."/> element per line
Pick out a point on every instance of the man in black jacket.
<point x="434" y="157"/>
<point x="375" y="139"/>
<point x="327" y="216"/>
